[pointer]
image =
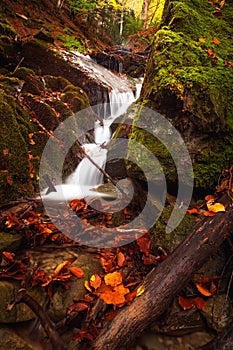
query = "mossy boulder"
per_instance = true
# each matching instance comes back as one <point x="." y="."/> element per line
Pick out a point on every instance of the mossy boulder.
<point x="13" y="151"/>
<point x="189" y="80"/>
<point x="32" y="83"/>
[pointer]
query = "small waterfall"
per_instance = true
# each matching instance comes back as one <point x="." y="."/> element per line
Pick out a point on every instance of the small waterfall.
<point x="86" y="174"/>
<point x="120" y="97"/>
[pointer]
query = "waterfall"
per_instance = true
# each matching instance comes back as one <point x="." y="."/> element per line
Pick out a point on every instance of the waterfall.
<point x="86" y="175"/>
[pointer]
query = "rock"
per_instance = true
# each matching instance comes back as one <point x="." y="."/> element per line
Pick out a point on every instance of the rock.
<point x="9" y="242"/>
<point x="182" y="83"/>
<point x="47" y="261"/>
<point x="11" y="341"/>
<point x="44" y="35"/>
<point x="218" y="312"/>
<point x="21" y="312"/>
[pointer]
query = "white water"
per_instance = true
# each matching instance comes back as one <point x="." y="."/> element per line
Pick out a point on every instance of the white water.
<point x="87" y="175"/>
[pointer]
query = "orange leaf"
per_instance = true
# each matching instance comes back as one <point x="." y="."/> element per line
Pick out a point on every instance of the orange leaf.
<point x="209" y="213"/>
<point x="77" y="271"/>
<point x="200" y="303"/>
<point x="113" y="279"/>
<point x="95" y="281"/>
<point x="221" y="5"/>
<point x="112" y="298"/>
<point x="210" y="198"/>
<point x="203" y="290"/>
<point x="202" y="40"/>
<point x="186" y="304"/>
<point x="216" y="41"/>
<point x="61" y="266"/>
<point x="193" y="211"/>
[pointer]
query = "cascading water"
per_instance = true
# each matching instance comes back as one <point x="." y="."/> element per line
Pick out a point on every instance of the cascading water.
<point x="86" y="175"/>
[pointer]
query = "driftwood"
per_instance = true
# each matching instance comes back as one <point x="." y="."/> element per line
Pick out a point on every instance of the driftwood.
<point x="167" y="280"/>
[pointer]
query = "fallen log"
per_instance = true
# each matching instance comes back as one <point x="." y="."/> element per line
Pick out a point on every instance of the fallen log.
<point x="167" y="280"/>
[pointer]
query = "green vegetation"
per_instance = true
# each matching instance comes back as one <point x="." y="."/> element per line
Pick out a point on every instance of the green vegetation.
<point x="189" y="79"/>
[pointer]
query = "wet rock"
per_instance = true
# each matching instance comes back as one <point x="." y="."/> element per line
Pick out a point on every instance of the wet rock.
<point x="9" y="242"/>
<point x="11" y="341"/>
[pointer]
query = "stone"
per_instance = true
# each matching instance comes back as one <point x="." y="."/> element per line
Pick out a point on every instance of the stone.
<point x="62" y="298"/>
<point x="11" y="341"/>
<point x="9" y="242"/>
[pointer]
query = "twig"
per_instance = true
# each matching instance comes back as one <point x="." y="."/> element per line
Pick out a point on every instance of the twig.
<point x="47" y="324"/>
<point x="18" y="65"/>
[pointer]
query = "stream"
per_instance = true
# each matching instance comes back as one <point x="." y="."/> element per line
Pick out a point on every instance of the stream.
<point x="122" y="93"/>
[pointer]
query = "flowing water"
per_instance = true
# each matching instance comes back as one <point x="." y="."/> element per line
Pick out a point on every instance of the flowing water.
<point x="120" y="97"/>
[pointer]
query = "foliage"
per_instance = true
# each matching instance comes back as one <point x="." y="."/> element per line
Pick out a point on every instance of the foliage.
<point x="82" y="5"/>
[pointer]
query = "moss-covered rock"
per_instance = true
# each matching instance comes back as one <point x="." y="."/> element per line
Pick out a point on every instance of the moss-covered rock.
<point x="189" y="80"/>
<point x="6" y="29"/>
<point x="169" y="241"/>
<point x="32" y="83"/>
<point x="13" y="151"/>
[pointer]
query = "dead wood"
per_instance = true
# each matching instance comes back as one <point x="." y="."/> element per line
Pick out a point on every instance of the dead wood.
<point x="167" y="280"/>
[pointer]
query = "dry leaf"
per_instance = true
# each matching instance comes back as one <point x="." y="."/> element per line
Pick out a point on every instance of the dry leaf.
<point x="87" y="286"/>
<point x="216" y="207"/>
<point x="113" y="279"/>
<point x="95" y="281"/>
<point x="204" y="291"/>
<point x="140" y="291"/>
<point x="61" y="266"/>
<point x="77" y="271"/>
<point x="216" y="41"/>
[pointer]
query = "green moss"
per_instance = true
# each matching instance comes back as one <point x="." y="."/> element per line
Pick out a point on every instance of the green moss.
<point x="56" y="83"/>
<point x="188" y="80"/>
<point x="7" y="47"/>
<point x="169" y="241"/>
<point x="13" y="151"/>
<point x="23" y="73"/>
<point x="6" y="29"/>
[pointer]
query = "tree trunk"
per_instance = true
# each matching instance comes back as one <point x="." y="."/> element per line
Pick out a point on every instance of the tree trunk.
<point x="167" y="280"/>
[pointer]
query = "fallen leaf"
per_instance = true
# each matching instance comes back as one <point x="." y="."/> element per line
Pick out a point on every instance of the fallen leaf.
<point x="120" y="259"/>
<point x="216" y="41"/>
<point x="187" y="304"/>
<point x="61" y="266"/>
<point x="202" y="40"/>
<point x="95" y="281"/>
<point x="216" y="207"/>
<point x="193" y="211"/>
<point x="113" y="279"/>
<point x="204" y="291"/>
<point x="140" y="291"/>
<point x="87" y="286"/>
<point x="77" y="271"/>
<point x="209" y="213"/>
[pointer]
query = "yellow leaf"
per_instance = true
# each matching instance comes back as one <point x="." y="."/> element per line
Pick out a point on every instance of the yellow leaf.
<point x="140" y="291"/>
<point x="202" y="40"/>
<point x="87" y="286"/>
<point x="216" y="207"/>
